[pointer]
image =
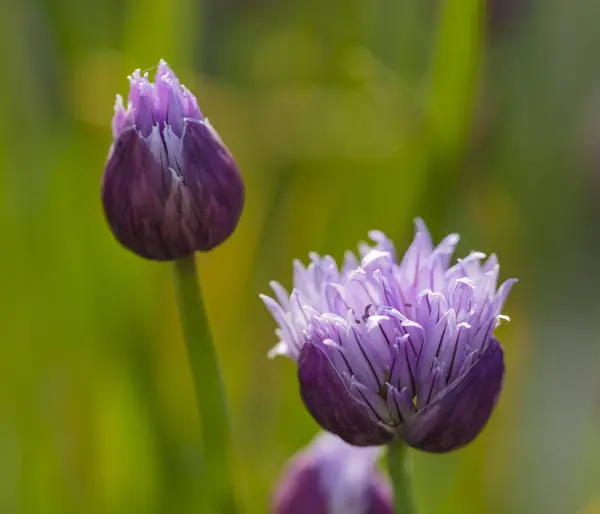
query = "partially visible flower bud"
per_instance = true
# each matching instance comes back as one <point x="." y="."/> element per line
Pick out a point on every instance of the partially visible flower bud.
<point x="332" y="477"/>
<point x="170" y="186"/>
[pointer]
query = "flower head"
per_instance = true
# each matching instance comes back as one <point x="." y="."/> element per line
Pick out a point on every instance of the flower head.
<point x="391" y="348"/>
<point x="332" y="477"/>
<point x="170" y="186"/>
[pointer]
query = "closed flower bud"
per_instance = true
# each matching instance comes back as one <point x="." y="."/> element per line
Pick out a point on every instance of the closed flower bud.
<point x="390" y="348"/>
<point x="170" y="186"/>
<point x="332" y="477"/>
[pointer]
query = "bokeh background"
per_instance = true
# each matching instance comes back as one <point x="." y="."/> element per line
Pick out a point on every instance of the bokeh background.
<point x="344" y="115"/>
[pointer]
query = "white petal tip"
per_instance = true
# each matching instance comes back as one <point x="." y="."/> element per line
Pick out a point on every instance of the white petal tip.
<point x="280" y="348"/>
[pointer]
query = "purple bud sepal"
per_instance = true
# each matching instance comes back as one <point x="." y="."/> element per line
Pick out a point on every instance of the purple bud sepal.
<point x="462" y="410"/>
<point x="170" y="186"/>
<point x="331" y="403"/>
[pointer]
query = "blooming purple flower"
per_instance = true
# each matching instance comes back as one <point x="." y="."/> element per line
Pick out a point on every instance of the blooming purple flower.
<point x="332" y="477"/>
<point x="170" y="186"/>
<point x="390" y="348"/>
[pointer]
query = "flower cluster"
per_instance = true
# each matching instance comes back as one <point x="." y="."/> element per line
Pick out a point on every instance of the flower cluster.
<point x="332" y="477"/>
<point x="170" y="186"/>
<point x="390" y="348"/>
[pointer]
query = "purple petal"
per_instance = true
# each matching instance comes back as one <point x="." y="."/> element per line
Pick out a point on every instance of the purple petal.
<point x="287" y="332"/>
<point x="364" y="360"/>
<point x="402" y="371"/>
<point x="377" y="405"/>
<point x="191" y="105"/>
<point x="461" y="297"/>
<point x="143" y="100"/>
<point x="139" y="199"/>
<point x="381" y="332"/>
<point x="377" y="260"/>
<point x="122" y="118"/>
<point x="283" y="297"/>
<point x="299" y="490"/>
<point x="399" y="403"/>
<point x="215" y="184"/>
<point x="334" y="299"/>
<point x="490" y="264"/>
<point x="350" y="262"/>
<point x="430" y="307"/>
<point x="329" y="400"/>
<point x="502" y="294"/>
<point x="441" y="337"/>
<point x="417" y="253"/>
<point x="484" y="334"/>
<point x="432" y="276"/>
<point x="380" y="498"/>
<point x="170" y="103"/>
<point x="416" y="335"/>
<point x="461" y="412"/>
<point x="136" y="85"/>
<point x="383" y="243"/>
<point x="445" y="249"/>
<point x="455" y="361"/>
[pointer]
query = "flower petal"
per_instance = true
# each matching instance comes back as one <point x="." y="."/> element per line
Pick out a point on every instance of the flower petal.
<point x="137" y="195"/>
<point x="380" y="498"/>
<point x="299" y="490"/>
<point x="211" y="175"/>
<point x="330" y="402"/>
<point x="461" y="412"/>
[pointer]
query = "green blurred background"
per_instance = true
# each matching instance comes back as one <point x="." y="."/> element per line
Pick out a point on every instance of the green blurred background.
<point x="344" y="115"/>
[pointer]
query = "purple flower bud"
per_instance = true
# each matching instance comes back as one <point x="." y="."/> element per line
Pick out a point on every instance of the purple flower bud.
<point x="388" y="348"/>
<point x="170" y="186"/>
<point x="332" y="477"/>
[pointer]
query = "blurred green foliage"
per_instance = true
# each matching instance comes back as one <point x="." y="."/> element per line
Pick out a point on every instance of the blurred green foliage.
<point x="344" y="116"/>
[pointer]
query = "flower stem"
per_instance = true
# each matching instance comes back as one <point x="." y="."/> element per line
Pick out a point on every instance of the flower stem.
<point x="217" y="479"/>
<point x="398" y="467"/>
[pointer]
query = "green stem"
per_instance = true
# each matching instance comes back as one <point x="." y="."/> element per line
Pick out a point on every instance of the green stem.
<point x="398" y="467"/>
<point x="217" y="479"/>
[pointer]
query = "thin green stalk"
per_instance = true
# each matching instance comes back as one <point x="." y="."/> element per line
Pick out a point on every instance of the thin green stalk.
<point x="398" y="467"/>
<point x="217" y="482"/>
